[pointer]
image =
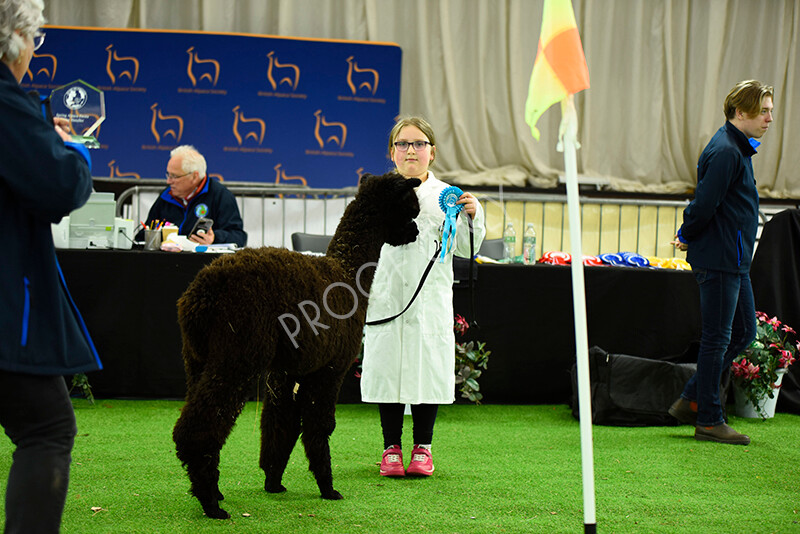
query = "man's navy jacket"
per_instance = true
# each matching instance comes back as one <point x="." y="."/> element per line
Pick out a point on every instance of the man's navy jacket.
<point x="720" y="224"/>
<point x="214" y="202"/>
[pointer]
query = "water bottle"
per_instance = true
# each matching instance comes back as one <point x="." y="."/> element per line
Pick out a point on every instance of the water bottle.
<point x="529" y="245"/>
<point x="509" y="243"/>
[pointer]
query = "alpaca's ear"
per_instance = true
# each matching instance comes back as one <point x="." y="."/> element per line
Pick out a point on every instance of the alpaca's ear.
<point x="365" y="178"/>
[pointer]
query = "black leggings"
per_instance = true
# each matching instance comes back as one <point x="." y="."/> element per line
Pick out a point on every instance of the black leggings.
<point x="422" y="415"/>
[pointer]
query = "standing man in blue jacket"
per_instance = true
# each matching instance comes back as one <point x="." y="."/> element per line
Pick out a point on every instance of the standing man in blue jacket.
<point x="718" y="235"/>
<point x="43" y="177"/>
<point x="191" y="195"/>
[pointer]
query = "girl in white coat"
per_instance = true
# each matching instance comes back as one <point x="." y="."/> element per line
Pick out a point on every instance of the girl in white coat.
<point x="411" y="359"/>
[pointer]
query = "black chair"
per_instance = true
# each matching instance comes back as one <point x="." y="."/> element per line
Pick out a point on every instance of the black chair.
<point x="310" y="242"/>
<point x="492" y="248"/>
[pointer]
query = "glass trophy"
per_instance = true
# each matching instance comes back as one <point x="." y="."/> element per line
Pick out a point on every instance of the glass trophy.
<point x="83" y="106"/>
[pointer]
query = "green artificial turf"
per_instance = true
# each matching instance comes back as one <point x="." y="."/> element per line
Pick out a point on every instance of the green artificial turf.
<point x="498" y="469"/>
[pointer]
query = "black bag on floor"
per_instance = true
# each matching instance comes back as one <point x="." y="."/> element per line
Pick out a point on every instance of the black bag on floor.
<point x="631" y="391"/>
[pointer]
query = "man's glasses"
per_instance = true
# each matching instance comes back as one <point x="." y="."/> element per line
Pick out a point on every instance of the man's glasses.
<point x="402" y="146"/>
<point x="38" y="39"/>
<point x="171" y="176"/>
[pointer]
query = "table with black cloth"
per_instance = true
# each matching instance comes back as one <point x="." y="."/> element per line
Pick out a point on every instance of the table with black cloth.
<point x="524" y="312"/>
<point x="525" y="316"/>
<point x="128" y="301"/>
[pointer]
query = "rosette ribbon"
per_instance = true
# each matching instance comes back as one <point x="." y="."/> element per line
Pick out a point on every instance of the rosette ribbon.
<point x="592" y="260"/>
<point x="447" y="201"/>
<point x="635" y="260"/>
<point x="556" y="257"/>
<point x="612" y="259"/>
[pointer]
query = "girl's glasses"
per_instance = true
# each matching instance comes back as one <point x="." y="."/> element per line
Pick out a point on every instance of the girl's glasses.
<point x="402" y="146"/>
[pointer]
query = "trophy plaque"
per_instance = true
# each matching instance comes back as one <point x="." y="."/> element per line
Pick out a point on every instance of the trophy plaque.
<point x="84" y="106"/>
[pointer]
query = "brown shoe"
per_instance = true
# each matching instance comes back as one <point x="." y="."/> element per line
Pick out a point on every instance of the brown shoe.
<point x="684" y="411"/>
<point x="720" y="433"/>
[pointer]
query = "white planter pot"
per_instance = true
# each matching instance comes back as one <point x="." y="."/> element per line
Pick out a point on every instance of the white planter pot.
<point x="766" y="406"/>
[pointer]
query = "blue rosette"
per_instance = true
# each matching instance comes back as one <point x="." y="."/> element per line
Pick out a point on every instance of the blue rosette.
<point x="612" y="259"/>
<point x="447" y="202"/>
<point x="635" y="260"/>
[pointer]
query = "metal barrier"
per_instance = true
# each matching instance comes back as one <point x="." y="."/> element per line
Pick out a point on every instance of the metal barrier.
<point x="271" y="213"/>
<point x="607" y="224"/>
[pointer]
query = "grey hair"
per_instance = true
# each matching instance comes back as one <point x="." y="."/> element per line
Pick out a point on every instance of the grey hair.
<point x="23" y="16"/>
<point x="192" y="159"/>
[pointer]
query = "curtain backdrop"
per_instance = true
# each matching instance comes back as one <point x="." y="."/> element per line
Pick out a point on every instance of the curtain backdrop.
<point x="659" y="72"/>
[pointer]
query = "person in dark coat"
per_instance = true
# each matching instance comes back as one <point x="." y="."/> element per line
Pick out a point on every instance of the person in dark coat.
<point x="191" y="195"/>
<point x="43" y="177"/>
<point x="719" y="233"/>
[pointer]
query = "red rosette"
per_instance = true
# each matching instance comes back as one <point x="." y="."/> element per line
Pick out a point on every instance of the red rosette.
<point x="556" y="257"/>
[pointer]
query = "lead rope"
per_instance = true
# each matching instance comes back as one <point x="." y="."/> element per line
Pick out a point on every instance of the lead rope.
<point x="471" y="262"/>
<point x="419" y="287"/>
<point x="428" y="270"/>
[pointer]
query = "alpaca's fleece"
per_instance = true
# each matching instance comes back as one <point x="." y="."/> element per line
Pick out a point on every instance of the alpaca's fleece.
<point x="293" y="322"/>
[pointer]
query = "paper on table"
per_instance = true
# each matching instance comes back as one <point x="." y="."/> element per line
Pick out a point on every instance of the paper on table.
<point x="181" y="241"/>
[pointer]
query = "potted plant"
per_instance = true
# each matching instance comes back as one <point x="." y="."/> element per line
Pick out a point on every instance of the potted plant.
<point x="758" y="371"/>
<point x="471" y="357"/>
<point x="81" y="382"/>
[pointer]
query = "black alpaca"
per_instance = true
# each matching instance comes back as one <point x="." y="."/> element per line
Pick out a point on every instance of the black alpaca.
<point x="293" y="322"/>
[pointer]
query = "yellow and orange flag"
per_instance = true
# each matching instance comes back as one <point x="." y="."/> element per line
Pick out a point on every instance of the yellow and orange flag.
<point x="560" y="68"/>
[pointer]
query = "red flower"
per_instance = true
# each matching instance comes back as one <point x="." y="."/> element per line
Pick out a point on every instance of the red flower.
<point x="461" y="325"/>
<point x="745" y="369"/>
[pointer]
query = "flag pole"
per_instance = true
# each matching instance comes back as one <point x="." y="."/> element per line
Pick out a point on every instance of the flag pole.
<point x="568" y="143"/>
<point x="559" y="72"/>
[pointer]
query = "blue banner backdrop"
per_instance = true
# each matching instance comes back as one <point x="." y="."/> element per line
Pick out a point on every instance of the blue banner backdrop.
<point x="259" y="108"/>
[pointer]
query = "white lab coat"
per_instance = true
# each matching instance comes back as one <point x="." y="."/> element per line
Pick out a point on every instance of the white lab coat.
<point x="411" y="359"/>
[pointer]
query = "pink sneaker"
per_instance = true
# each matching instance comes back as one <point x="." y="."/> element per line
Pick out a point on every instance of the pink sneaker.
<point x="392" y="462"/>
<point x="421" y="462"/>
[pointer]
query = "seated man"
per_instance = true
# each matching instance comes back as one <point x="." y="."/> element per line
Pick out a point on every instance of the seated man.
<point x="192" y="195"/>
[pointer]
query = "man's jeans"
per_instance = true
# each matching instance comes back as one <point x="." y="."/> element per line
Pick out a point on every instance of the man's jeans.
<point x="729" y="325"/>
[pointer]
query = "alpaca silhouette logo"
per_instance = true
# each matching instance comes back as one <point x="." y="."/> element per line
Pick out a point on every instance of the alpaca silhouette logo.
<point x="124" y="66"/>
<point x="361" y="78"/>
<point x="163" y="125"/>
<point x="256" y="126"/>
<point x="280" y="176"/>
<point x="45" y="64"/>
<point x="326" y="131"/>
<point x="279" y="73"/>
<point x="115" y="173"/>
<point x="208" y="69"/>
